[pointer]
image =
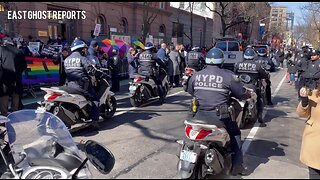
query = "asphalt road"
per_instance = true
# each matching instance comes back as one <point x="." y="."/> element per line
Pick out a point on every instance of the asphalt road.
<point x="143" y="140"/>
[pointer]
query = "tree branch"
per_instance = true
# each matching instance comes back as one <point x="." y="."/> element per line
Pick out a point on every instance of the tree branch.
<point x="186" y="35"/>
<point x="236" y="23"/>
<point x="215" y="11"/>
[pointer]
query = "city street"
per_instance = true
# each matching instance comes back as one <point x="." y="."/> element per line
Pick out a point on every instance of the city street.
<point x="143" y="140"/>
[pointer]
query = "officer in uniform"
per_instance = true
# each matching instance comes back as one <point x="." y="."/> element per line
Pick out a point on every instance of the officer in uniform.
<point x="255" y="71"/>
<point x="263" y="59"/>
<point x="301" y="66"/>
<point x="195" y="59"/>
<point x="312" y="71"/>
<point x="147" y="66"/>
<point x="78" y="68"/>
<point x="213" y="81"/>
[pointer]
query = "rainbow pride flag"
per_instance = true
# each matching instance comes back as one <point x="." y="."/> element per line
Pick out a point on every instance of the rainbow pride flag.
<point x="137" y="43"/>
<point x="40" y="71"/>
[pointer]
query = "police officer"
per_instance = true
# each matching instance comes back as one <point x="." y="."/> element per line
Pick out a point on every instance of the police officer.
<point x="213" y="81"/>
<point x="263" y="59"/>
<point x="195" y="59"/>
<point x="255" y="71"/>
<point x="301" y="67"/>
<point x="147" y="66"/>
<point x="313" y="69"/>
<point x="78" y="68"/>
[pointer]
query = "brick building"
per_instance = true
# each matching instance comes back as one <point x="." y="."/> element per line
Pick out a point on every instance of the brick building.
<point x="119" y="17"/>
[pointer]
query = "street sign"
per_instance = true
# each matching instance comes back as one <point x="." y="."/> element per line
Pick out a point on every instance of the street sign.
<point x="97" y="30"/>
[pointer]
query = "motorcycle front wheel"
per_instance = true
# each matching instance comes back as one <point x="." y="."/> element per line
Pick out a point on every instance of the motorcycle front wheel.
<point x="110" y="108"/>
<point x="135" y="102"/>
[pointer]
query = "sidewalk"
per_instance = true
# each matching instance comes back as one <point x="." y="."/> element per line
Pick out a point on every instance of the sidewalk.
<point x="275" y="150"/>
<point x="122" y="94"/>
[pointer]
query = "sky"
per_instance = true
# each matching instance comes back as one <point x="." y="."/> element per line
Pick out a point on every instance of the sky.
<point x="292" y="7"/>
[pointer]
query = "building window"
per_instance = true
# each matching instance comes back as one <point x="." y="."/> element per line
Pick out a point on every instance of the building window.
<point x="1" y="8"/>
<point x="162" y="30"/>
<point x="177" y="30"/>
<point x="100" y="20"/>
<point x="50" y="31"/>
<point x="124" y="25"/>
<point x="162" y="5"/>
<point x="181" y="5"/>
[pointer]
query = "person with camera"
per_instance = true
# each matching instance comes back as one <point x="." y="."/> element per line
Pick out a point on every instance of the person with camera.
<point x="309" y="108"/>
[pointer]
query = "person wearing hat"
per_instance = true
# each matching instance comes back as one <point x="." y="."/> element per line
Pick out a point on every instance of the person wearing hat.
<point x="13" y="63"/>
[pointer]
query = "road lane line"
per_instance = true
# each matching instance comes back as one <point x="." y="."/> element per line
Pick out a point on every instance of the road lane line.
<point x="254" y="130"/>
<point x="125" y="110"/>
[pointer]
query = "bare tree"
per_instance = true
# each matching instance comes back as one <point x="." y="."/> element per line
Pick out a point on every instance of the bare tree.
<point x="231" y="13"/>
<point x="311" y="17"/>
<point x="149" y="15"/>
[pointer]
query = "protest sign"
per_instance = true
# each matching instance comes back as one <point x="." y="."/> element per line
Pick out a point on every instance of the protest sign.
<point x="51" y="51"/>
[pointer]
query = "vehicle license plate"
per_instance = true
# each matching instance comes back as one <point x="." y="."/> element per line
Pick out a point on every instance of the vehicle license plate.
<point x="132" y="88"/>
<point x="232" y="56"/>
<point x="185" y="77"/>
<point x="188" y="156"/>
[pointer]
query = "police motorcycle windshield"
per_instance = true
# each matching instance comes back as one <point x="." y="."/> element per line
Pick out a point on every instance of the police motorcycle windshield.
<point x="31" y="131"/>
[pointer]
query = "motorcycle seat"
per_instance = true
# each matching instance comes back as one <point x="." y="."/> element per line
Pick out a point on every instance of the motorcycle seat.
<point x="206" y="119"/>
<point x="64" y="161"/>
<point x="54" y="89"/>
<point x="69" y="90"/>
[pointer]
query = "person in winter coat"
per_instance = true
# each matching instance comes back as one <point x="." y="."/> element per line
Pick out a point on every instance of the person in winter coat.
<point x="13" y="63"/>
<point x="183" y="55"/>
<point x="309" y="108"/>
<point x="60" y="60"/>
<point x="115" y="70"/>
<point x="175" y="59"/>
<point x="291" y="71"/>
<point x="280" y="57"/>
<point x="131" y="62"/>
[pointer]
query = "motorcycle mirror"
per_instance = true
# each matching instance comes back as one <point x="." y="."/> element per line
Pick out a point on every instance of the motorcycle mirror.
<point x="99" y="156"/>
<point x="245" y="78"/>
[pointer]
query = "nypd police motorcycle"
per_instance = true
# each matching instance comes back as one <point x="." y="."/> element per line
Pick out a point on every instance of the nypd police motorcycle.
<point x="73" y="108"/>
<point x="46" y="150"/>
